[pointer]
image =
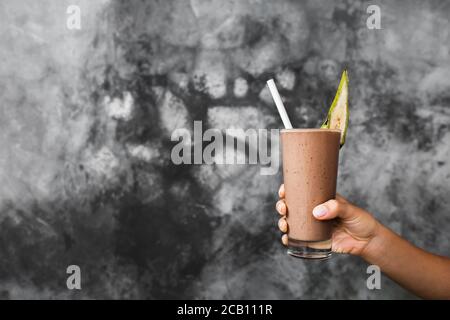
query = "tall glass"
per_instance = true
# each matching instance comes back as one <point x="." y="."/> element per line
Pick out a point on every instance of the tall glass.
<point x="310" y="166"/>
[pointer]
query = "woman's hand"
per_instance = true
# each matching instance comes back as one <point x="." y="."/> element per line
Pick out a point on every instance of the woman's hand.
<point x="357" y="232"/>
<point x="354" y="228"/>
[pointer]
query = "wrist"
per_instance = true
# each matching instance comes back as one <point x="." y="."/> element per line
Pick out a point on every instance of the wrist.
<point x="375" y="250"/>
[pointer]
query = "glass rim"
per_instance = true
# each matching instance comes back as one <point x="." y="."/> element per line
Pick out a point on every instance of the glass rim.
<point x="310" y="130"/>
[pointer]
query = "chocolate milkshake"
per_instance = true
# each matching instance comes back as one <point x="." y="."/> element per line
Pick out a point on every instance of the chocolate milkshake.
<point x="310" y="163"/>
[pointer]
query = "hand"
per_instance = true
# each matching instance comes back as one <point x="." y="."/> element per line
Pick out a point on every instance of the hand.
<point x="354" y="228"/>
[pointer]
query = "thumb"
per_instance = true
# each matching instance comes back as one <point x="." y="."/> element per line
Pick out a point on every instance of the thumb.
<point x="335" y="209"/>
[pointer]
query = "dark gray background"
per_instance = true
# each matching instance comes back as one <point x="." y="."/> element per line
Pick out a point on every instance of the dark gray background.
<point x="86" y="117"/>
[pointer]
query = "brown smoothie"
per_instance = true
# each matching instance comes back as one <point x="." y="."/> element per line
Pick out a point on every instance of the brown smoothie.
<point x="310" y="164"/>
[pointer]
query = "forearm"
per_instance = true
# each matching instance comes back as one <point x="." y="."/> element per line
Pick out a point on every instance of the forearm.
<point x="424" y="274"/>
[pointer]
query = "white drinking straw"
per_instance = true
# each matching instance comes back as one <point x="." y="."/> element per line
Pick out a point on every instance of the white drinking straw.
<point x="280" y="106"/>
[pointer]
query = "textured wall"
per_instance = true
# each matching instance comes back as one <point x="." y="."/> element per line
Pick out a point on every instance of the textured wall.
<point x="86" y="117"/>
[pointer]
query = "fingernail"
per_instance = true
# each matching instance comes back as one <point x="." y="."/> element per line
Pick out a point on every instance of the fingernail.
<point x="282" y="225"/>
<point x="320" y="211"/>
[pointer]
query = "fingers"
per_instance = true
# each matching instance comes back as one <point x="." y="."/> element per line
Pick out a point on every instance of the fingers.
<point x="282" y="225"/>
<point x="335" y="209"/>
<point x="284" y="239"/>
<point x="282" y="210"/>
<point x="281" y="207"/>
<point x="281" y="192"/>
